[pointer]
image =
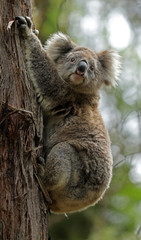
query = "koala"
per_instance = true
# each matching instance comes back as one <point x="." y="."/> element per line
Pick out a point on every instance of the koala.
<point x="67" y="77"/>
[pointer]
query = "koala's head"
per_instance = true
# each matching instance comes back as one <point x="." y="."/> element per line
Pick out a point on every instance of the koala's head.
<point x="83" y="69"/>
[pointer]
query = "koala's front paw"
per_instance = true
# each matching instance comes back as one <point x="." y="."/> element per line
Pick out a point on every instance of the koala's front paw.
<point x="24" y="25"/>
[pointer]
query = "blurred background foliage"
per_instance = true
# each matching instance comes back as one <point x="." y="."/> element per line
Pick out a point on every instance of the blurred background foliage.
<point x="99" y="25"/>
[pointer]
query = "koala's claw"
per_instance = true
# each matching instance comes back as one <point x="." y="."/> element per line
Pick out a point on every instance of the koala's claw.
<point x="20" y="20"/>
<point x="36" y="32"/>
<point x="24" y="25"/>
<point x="23" y="21"/>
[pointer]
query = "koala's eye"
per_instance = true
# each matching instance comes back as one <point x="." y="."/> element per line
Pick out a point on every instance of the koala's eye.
<point x="92" y="68"/>
<point x="72" y="59"/>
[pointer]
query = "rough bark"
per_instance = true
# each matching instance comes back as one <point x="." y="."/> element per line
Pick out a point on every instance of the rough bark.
<point x="23" y="210"/>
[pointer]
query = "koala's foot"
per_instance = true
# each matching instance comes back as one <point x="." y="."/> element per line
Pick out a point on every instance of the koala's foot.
<point x="24" y="24"/>
<point x="40" y="166"/>
<point x="39" y="174"/>
<point x="59" y="166"/>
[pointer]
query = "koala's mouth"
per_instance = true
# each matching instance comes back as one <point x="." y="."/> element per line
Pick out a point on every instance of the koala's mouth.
<point x="77" y="79"/>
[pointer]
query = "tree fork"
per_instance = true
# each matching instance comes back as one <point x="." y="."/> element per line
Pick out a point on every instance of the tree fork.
<point x="23" y="210"/>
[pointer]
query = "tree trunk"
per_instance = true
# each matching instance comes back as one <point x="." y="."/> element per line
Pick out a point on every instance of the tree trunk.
<point x="23" y="210"/>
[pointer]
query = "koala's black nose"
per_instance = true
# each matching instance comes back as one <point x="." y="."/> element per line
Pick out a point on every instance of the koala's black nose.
<point x="81" y="68"/>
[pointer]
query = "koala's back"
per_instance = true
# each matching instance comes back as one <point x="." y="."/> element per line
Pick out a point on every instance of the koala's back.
<point x="82" y="137"/>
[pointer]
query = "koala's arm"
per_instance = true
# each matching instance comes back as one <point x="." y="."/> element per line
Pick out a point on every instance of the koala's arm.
<point x="47" y="83"/>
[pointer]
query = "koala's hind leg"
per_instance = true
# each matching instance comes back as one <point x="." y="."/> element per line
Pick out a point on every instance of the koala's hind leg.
<point x="58" y="166"/>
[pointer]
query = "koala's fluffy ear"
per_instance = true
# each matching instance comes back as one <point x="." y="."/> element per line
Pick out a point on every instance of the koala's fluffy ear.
<point x="111" y="67"/>
<point x="58" y="44"/>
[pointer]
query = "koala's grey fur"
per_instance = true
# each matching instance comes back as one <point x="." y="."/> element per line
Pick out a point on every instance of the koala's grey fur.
<point x="78" y="166"/>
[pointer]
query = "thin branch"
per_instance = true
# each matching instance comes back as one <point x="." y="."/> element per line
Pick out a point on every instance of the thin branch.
<point x="14" y="110"/>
